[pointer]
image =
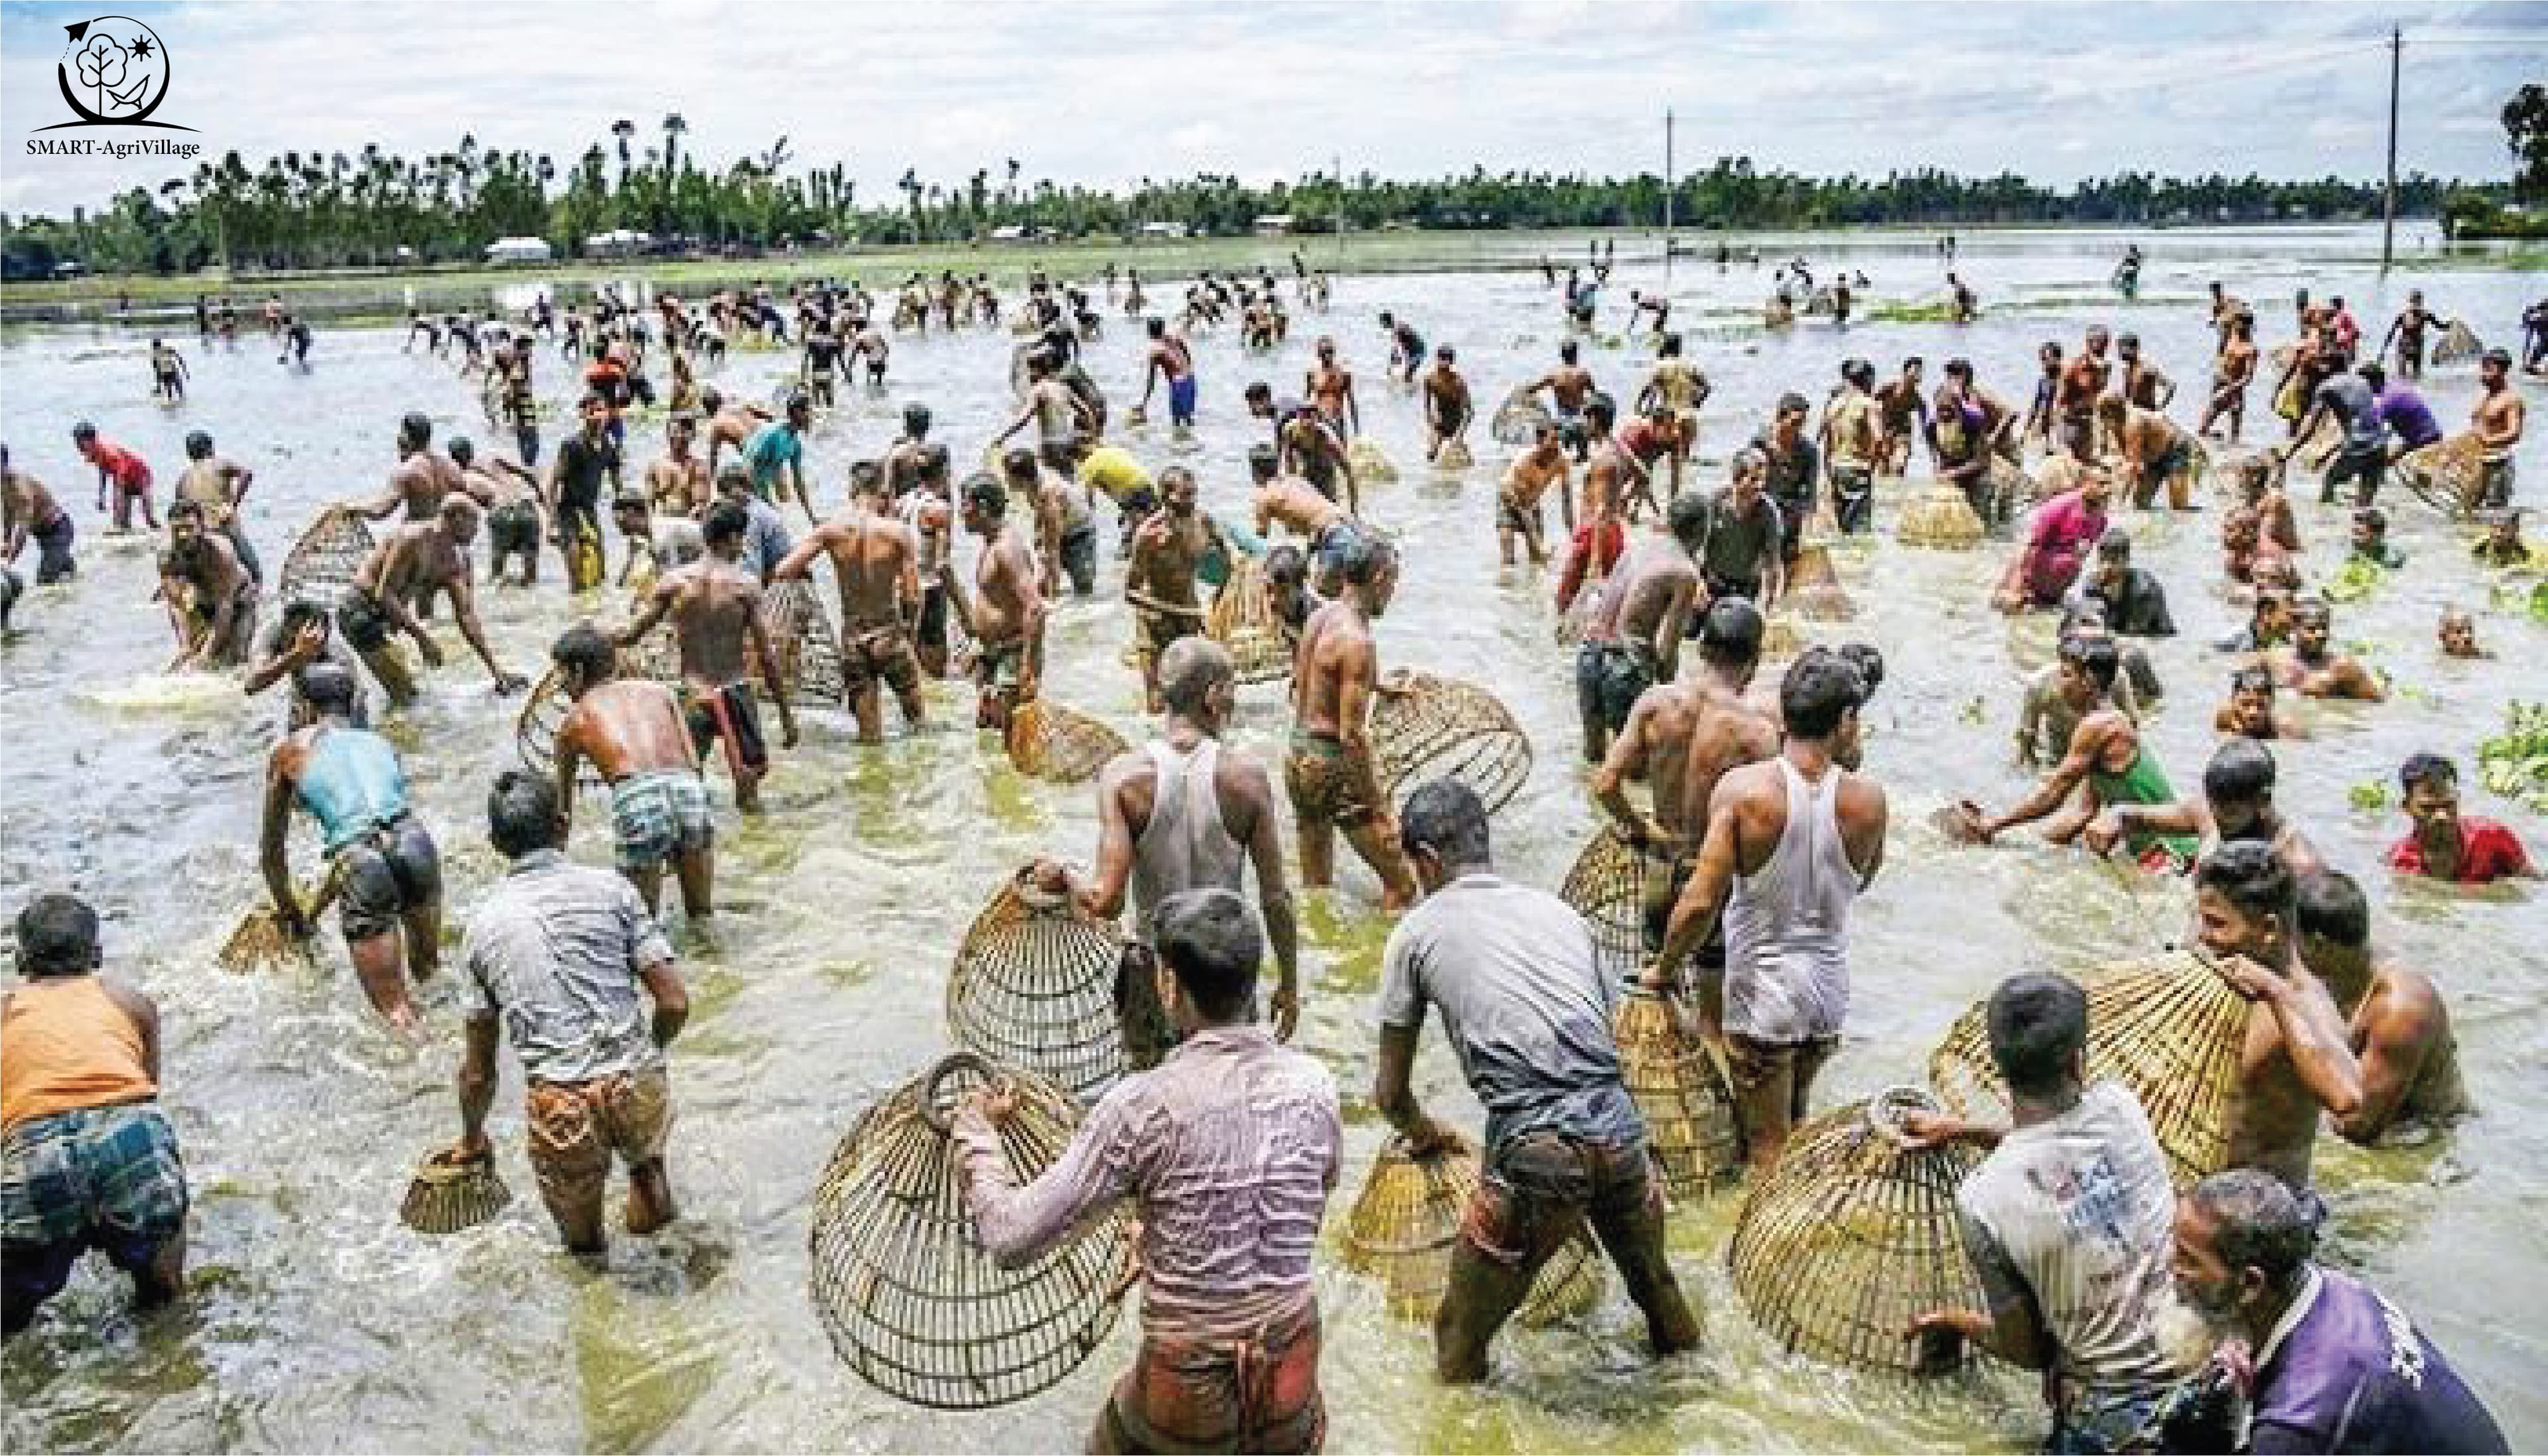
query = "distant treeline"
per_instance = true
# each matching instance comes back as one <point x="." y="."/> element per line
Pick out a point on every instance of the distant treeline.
<point x="319" y="210"/>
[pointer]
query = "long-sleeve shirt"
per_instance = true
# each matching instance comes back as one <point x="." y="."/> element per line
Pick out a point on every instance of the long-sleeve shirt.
<point x="1230" y="1145"/>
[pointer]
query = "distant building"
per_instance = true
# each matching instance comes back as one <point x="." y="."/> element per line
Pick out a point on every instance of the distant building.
<point x="519" y="250"/>
<point x="618" y="242"/>
<point x="1274" y="224"/>
<point x="1009" y="234"/>
<point x="1163" y="229"/>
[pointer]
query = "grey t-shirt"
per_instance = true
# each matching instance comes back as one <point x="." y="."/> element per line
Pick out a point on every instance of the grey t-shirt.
<point x="1740" y="545"/>
<point x="2354" y="401"/>
<point x="556" y="949"/>
<point x="1523" y="1002"/>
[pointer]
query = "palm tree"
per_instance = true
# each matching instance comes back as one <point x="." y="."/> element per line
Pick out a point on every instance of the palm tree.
<point x="674" y="126"/>
<point x="624" y="128"/>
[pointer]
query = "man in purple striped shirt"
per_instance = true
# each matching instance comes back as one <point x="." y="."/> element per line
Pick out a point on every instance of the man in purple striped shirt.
<point x="1231" y="1145"/>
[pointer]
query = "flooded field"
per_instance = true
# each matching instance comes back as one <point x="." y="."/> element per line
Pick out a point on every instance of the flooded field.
<point x="316" y="1321"/>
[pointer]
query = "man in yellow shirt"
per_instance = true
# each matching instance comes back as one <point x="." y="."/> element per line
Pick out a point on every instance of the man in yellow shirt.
<point x="1112" y="471"/>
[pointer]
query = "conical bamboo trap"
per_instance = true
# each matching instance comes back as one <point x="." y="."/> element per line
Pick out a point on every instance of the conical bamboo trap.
<point x="1059" y="743"/>
<point x="2172" y="1031"/>
<point x="321" y="567"/>
<point x="1853" y="1236"/>
<point x="1614" y="886"/>
<point x="2458" y="344"/>
<point x="1688" y="1111"/>
<point x="1243" y="622"/>
<point x="1518" y="419"/>
<point x="1426" y="727"/>
<point x="2449" y="475"/>
<point x="1454" y="455"/>
<point x="1406" y="1223"/>
<point x="808" y="656"/>
<point x="1370" y="464"/>
<point x="1941" y="518"/>
<point x="2318" y="449"/>
<point x="1813" y="586"/>
<point x="545" y="706"/>
<point x="259" y="942"/>
<point x="911" y="1302"/>
<point x="448" y="1194"/>
<point x="1033" y="986"/>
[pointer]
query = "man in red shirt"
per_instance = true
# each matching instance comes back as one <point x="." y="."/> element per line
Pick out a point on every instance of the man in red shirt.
<point x="2444" y="846"/>
<point x="120" y="468"/>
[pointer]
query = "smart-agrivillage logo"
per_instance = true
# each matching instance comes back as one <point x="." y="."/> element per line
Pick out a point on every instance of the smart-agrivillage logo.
<point x="114" y="72"/>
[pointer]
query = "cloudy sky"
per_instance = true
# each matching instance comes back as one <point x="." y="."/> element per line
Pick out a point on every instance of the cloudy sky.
<point x="1107" y="91"/>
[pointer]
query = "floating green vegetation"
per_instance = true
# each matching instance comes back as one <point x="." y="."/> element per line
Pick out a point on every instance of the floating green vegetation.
<point x="2514" y="763"/>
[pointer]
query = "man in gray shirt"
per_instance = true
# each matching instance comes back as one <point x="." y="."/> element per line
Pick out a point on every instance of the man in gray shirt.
<point x="765" y="541"/>
<point x="2363" y="458"/>
<point x="1739" y="552"/>
<point x="1527" y="1010"/>
<point x="559" y="951"/>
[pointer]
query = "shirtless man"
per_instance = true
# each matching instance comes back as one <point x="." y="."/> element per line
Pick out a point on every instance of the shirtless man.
<point x="1007" y="615"/>
<point x="678" y="481"/>
<point x="1405" y="346"/>
<point x="1601" y="535"/>
<point x="1065" y="529"/>
<point x="2156" y="451"/>
<point x="1632" y="640"/>
<point x="2232" y="374"/>
<point x="2082" y="385"/>
<point x="1331" y="772"/>
<point x="168" y="372"/>
<point x="715" y="608"/>
<point x="2406" y="331"/>
<point x="1447" y="405"/>
<point x="2251" y="711"/>
<point x="1172" y="359"/>
<point x="1901" y="414"/>
<point x="1681" y="738"/>
<point x="2237" y="806"/>
<point x="413" y="562"/>
<point x="632" y="732"/>
<point x="1525" y="483"/>
<point x="1320" y="524"/>
<point x="210" y="595"/>
<point x="28" y="512"/>
<point x="2142" y="386"/>
<point x="2458" y="634"/>
<point x="421" y="480"/>
<point x="1160" y="583"/>
<point x="2310" y="666"/>
<point x="902" y="460"/>
<point x="732" y="426"/>
<point x="510" y="496"/>
<point x="1313" y="448"/>
<point x="2397" y="1023"/>
<point x="217" y="485"/>
<point x="2298" y="1058"/>
<point x="1568" y="385"/>
<point x="2497" y="419"/>
<point x="2039" y="412"/>
<point x="929" y="509"/>
<point x="1054" y="408"/>
<point x="876" y="560"/>
<point x="2106" y="756"/>
<point x="1331" y="390"/>
<point x="1853" y="444"/>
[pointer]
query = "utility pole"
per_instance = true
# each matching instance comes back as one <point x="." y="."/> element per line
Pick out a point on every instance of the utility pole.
<point x="2388" y="205"/>
<point x="1339" y="162"/>
<point x="1668" y="189"/>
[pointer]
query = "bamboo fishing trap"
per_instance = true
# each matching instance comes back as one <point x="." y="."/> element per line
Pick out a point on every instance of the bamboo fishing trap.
<point x="1370" y="464"/>
<point x="808" y="655"/>
<point x="911" y="1302"/>
<point x="2172" y="1032"/>
<point x="1941" y="518"/>
<point x="1059" y="743"/>
<point x="1033" y="986"/>
<point x="1518" y="420"/>
<point x="1813" y="586"/>
<point x="1853" y="1236"/>
<point x="2458" y="344"/>
<point x="1426" y="727"/>
<point x="1406" y="1223"/>
<point x="1454" y="456"/>
<point x="1244" y="621"/>
<point x="1623" y="894"/>
<point x="448" y="1194"/>
<point x="2448" y="475"/>
<point x="1687" y="1109"/>
<point x="320" y="569"/>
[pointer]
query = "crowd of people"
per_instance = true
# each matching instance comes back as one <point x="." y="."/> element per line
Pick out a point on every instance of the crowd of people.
<point x="2156" y="1313"/>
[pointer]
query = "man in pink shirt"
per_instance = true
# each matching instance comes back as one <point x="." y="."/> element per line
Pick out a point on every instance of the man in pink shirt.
<point x="2065" y="529"/>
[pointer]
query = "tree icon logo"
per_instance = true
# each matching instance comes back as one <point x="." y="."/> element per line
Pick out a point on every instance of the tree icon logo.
<point x="115" y="72"/>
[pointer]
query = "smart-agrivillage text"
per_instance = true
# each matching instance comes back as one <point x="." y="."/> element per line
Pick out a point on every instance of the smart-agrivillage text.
<point x="58" y="146"/>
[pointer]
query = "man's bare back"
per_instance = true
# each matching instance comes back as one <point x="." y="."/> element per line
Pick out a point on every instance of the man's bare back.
<point x="625" y="726"/>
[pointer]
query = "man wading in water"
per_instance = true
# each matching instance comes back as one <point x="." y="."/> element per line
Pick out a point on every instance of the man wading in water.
<point x="877" y="561"/>
<point x="715" y="608"/>
<point x="417" y="561"/>
<point x="631" y="730"/>
<point x="1007" y="614"/>
<point x="1330" y="772"/>
<point x="1228" y="1150"/>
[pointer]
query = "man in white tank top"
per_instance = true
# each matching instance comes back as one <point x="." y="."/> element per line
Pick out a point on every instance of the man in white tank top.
<point x="1182" y="813"/>
<point x="1792" y="841"/>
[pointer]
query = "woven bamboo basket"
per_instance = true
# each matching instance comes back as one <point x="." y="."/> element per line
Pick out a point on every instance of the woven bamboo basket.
<point x="545" y="706"/>
<point x="1853" y="1236"/>
<point x="1813" y="586"/>
<point x="2458" y="344"/>
<point x="1518" y="419"/>
<point x="1059" y="743"/>
<point x="1688" y="1111"/>
<point x="911" y="1302"/>
<point x="1243" y="622"/>
<point x="1780" y="640"/>
<point x="1405" y="1222"/>
<point x="1370" y="464"/>
<point x="800" y="639"/>
<point x="1454" y="455"/>
<point x="2315" y="451"/>
<point x="259" y="943"/>
<point x="321" y="566"/>
<point x="1614" y="886"/>
<point x="2449" y="474"/>
<point x="2171" y="1030"/>
<point x="1033" y="986"/>
<point x="1426" y="727"/>
<point x="447" y="1195"/>
<point x="1941" y="518"/>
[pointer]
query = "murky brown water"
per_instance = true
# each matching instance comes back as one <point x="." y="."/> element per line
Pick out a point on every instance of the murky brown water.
<point x="317" y="1322"/>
